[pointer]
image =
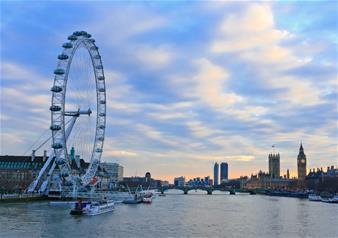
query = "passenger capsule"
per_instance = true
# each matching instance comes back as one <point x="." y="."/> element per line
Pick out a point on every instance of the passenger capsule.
<point x="55" y="108"/>
<point x="67" y="45"/>
<point x="102" y="127"/>
<point x="102" y="90"/>
<point x="102" y="101"/>
<point x="63" y="57"/>
<point x="83" y="33"/>
<point x="97" y="57"/>
<point x="68" y="183"/>
<point x="72" y="37"/>
<point x="59" y="71"/>
<point x="100" y="138"/>
<point x="99" y="67"/>
<point x="57" y="146"/>
<point x="99" y="150"/>
<point x="77" y="33"/>
<point x="91" y="40"/>
<point x="94" y="48"/>
<point x="55" y="127"/>
<point x="102" y="114"/>
<point x="60" y="162"/>
<point x="88" y="35"/>
<point x="100" y="78"/>
<point x="56" y="89"/>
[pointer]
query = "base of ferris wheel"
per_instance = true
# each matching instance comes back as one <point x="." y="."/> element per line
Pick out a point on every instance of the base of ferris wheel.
<point x="56" y="191"/>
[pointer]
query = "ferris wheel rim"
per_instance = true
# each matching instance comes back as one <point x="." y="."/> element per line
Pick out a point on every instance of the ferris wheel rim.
<point x="79" y="39"/>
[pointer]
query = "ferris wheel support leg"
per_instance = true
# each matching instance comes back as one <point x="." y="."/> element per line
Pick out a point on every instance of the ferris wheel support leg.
<point x="50" y="160"/>
<point x="46" y="182"/>
<point x="50" y="172"/>
<point x="70" y="127"/>
<point x="74" y="190"/>
<point x="33" y="185"/>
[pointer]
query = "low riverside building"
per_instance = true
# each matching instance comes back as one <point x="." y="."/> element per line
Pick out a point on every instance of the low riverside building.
<point x="264" y="180"/>
<point x="145" y="182"/>
<point x="110" y="174"/>
<point x="319" y="180"/>
<point x="114" y="170"/>
<point x="17" y="172"/>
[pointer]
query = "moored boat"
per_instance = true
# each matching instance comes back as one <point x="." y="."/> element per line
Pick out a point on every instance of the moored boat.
<point x="137" y="198"/>
<point x="92" y="208"/>
<point x="315" y="198"/>
<point x="147" y="198"/>
<point x="333" y="199"/>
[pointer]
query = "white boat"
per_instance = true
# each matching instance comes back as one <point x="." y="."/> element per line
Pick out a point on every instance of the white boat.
<point x="93" y="208"/>
<point x="314" y="198"/>
<point x="147" y="199"/>
<point x="334" y="199"/>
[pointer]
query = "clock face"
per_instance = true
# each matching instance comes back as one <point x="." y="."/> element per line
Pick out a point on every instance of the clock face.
<point x="303" y="161"/>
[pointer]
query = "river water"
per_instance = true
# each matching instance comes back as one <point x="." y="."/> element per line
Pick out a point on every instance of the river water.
<point x="178" y="215"/>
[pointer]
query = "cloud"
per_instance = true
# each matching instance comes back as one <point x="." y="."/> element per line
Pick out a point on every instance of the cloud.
<point x="14" y="72"/>
<point x="153" y="57"/>
<point x="117" y="25"/>
<point x="253" y="28"/>
<point x="208" y="85"/>
<point x="211" y="85"/>
<point x="253" y="35"/>
<point x="119" y="153"/>
<point x="198" y="129"/>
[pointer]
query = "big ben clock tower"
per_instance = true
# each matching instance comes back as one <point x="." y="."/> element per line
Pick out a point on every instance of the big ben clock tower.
<point x="301" y="163"/>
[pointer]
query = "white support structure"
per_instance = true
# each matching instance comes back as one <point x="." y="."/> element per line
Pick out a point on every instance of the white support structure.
<point x="51" y="159"/>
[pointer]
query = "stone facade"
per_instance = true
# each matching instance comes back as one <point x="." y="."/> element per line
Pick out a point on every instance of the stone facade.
<point x="301" y="164"/>
<point x="18" y="172"/>
<point x="274" y="165"/>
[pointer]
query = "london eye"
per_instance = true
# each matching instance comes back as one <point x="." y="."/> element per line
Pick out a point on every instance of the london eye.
<point x="78" y="113"/>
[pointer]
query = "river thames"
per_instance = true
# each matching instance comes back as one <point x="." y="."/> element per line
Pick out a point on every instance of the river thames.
<point x="178" y="215"/>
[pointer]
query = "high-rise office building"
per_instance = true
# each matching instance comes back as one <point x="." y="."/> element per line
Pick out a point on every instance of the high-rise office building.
<point x="287" y="174"/>
<point x="274" y="165"/>
<point x="179" y="182"/>
<point x="301" y="163"/>
<point x="216" y="169"/>
<point x="224" y="172"/>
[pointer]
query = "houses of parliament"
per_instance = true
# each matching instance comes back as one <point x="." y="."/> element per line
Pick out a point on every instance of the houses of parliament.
<point x="274" y="165"/>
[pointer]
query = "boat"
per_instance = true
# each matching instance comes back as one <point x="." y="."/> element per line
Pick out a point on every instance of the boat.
<point x="333" y="199"/>
<point x="286" y="193"/>
<point x="135" y="200"/>
<point x="147" y="198"/>
<point x="314" y="197"/>
<point x="93" y="208"/>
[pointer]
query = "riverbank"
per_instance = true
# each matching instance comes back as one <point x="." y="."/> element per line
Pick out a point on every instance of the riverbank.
<point x="6" y="198"/>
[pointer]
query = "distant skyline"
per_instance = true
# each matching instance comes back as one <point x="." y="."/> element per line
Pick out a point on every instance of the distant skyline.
<point x="188" y="83"/>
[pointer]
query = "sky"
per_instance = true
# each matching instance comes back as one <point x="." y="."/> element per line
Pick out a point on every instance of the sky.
<point x="189" y="83"/>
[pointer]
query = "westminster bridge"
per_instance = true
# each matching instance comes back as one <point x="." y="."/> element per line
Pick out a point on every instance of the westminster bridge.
<point x="208" y="189"/>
